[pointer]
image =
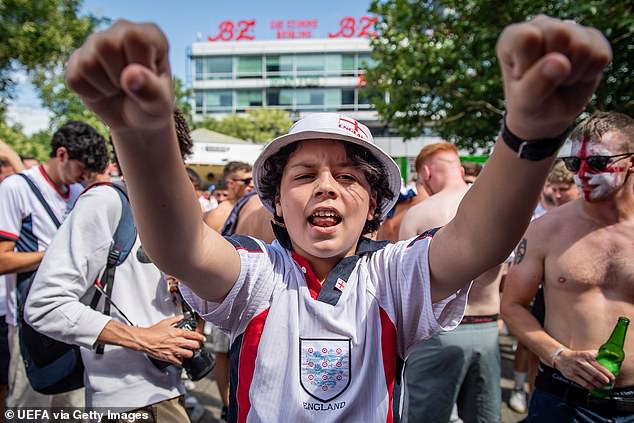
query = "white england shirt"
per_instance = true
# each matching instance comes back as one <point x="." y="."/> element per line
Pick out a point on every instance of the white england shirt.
<point x="302" y="351"/>
<point x="24" y="219"/>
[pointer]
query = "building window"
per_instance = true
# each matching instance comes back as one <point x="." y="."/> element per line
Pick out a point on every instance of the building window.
<point x="218" y="101"/>
<point x="199" y="102"/>
<point x="279" y="66"/>
<point x="311" y="99"/>
<point x="340" y="64"/>
<point x="347" y="98"/>
<point x="249" y="67"/>
<point x="279" y="97"/>
<point x="220" y="67"/>
<point x="199" y="69"/>
<point x="248" y="98"/>
<point x="310" y="64"/>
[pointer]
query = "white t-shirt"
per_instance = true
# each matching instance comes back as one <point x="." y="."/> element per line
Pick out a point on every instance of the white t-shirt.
<point x="24" y="219"/>
<point x="58" y="304"/>
<point x="303" y="351"/>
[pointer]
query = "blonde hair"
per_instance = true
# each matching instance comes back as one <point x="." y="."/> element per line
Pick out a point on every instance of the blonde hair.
<point x="559" y="174"/>
<point x="433" y="149"/>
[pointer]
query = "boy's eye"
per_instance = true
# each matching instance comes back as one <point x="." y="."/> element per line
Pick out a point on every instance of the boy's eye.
<point x="303" y="176"/>
<point x="347" y="177"/>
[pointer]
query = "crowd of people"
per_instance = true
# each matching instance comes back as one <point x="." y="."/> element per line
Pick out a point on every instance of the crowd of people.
<point x="328" y="292"/>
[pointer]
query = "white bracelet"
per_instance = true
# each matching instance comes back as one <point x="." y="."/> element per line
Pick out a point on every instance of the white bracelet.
<point x="556" y="354"/>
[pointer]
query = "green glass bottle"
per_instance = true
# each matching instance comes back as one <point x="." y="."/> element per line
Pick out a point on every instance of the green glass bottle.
<point x="611" y="354"/>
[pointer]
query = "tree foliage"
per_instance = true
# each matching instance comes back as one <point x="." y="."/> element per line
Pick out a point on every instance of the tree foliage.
<point x="37" y="145"/>
<point x="37" y="34"/>
<point x="65" y="105"/>
<point x="437" y="71"/>
<point x="257" y="125"/>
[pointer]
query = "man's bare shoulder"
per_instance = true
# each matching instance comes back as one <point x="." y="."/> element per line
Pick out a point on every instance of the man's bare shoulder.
<point x="555" y="230"/>
<point x="255" y="221"/>
<point x="216" y="218"/>
<point x="436" y="210"/>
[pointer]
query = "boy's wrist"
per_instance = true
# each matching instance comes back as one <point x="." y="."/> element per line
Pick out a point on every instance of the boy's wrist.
<point x="532" y="149"/>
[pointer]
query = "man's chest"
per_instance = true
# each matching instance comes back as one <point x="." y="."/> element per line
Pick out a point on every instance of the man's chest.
<point x="602" y="258"/>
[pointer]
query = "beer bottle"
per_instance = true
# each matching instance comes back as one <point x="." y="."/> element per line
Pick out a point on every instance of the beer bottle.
<point x="611" y="355"/>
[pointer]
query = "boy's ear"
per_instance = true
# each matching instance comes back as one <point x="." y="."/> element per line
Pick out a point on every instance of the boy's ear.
<point x="278" y="206"/>
<point x="61" y="153"/>
<point x="372" y="208"/>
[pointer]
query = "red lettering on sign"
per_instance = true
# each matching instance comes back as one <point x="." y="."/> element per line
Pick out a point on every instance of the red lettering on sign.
<point x="348" y="27"/>
<point x="226" y="31"/>
<point x="245" y="26"/>
<point x="367" y="23"/>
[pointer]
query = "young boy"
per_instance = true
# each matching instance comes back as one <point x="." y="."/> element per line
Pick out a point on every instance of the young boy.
<point x="318" y="318"/>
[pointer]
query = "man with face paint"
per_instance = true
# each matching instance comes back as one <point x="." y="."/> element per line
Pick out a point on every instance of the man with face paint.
<point x="582" y="251"/>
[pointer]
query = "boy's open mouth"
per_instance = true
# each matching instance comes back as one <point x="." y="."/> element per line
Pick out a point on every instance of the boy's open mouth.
<point x="324" y="218"/>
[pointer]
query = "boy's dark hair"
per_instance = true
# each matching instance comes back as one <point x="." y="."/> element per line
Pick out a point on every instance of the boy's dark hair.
<point x="185" y="143"/>
<point x="374" y="172"/>
<point x="83" y="143"/>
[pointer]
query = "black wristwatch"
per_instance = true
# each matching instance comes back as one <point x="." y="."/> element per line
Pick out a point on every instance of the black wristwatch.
<point x="534" y="150"/>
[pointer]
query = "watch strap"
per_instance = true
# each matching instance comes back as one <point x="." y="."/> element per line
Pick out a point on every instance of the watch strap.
<point x="534" y="150"/>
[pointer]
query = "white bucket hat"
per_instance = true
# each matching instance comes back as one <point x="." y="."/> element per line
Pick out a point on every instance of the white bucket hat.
<point x="330" y="126"/>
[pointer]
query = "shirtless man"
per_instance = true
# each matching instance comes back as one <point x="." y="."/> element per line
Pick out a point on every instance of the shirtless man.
<point x="239" y="182"/>
<point x="451" y="367"/>
<point x="582" y="251"/>
<point x="391" y="226"/>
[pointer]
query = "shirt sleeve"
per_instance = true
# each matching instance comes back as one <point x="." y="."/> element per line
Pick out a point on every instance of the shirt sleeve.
<point x="406" y="294"/>
<point x="62" y="288"/>
<point x="11" y="207"/>
<point x="250" y="294"/>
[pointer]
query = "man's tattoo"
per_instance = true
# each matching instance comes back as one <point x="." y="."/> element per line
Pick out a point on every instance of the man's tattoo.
<point x="520" y="251"/>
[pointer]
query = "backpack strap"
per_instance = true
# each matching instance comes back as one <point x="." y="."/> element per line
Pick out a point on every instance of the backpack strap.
<point x="123" y="240"/>
<point x="229" y="227"/>
<point x="40" y="197"/>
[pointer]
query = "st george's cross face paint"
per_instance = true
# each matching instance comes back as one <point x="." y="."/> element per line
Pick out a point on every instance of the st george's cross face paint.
<point x="594" y="184"/>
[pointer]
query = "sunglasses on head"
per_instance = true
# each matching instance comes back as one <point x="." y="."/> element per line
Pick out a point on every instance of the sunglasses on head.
<point x="599" y="163"/>
<point x="245" y="181"/>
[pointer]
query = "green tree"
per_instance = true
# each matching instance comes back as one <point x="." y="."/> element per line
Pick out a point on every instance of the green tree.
<point x="257" y="125"/>
<point x="183" y="98"/>
<point x="65" y="105"/>
<point x="437" y="71"/>
<point x="36" y="34"/>
<point x="37" y="145"/>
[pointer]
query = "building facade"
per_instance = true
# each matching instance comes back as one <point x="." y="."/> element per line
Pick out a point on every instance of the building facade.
<point x="297" y="75"/>
<point x="303" y="75"/>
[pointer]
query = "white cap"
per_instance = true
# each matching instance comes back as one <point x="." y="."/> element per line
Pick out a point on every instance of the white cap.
<point x="331" y="126"/>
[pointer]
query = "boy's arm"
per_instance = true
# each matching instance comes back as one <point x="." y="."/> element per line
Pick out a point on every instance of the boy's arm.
<point x="123" y="75"/>
<point x="550" y="70"/>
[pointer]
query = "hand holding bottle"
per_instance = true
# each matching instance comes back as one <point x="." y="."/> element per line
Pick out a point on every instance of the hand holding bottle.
<point x="583" y="368"/>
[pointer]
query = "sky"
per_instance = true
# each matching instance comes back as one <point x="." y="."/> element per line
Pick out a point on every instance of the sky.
<point x="187" y="21"/>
